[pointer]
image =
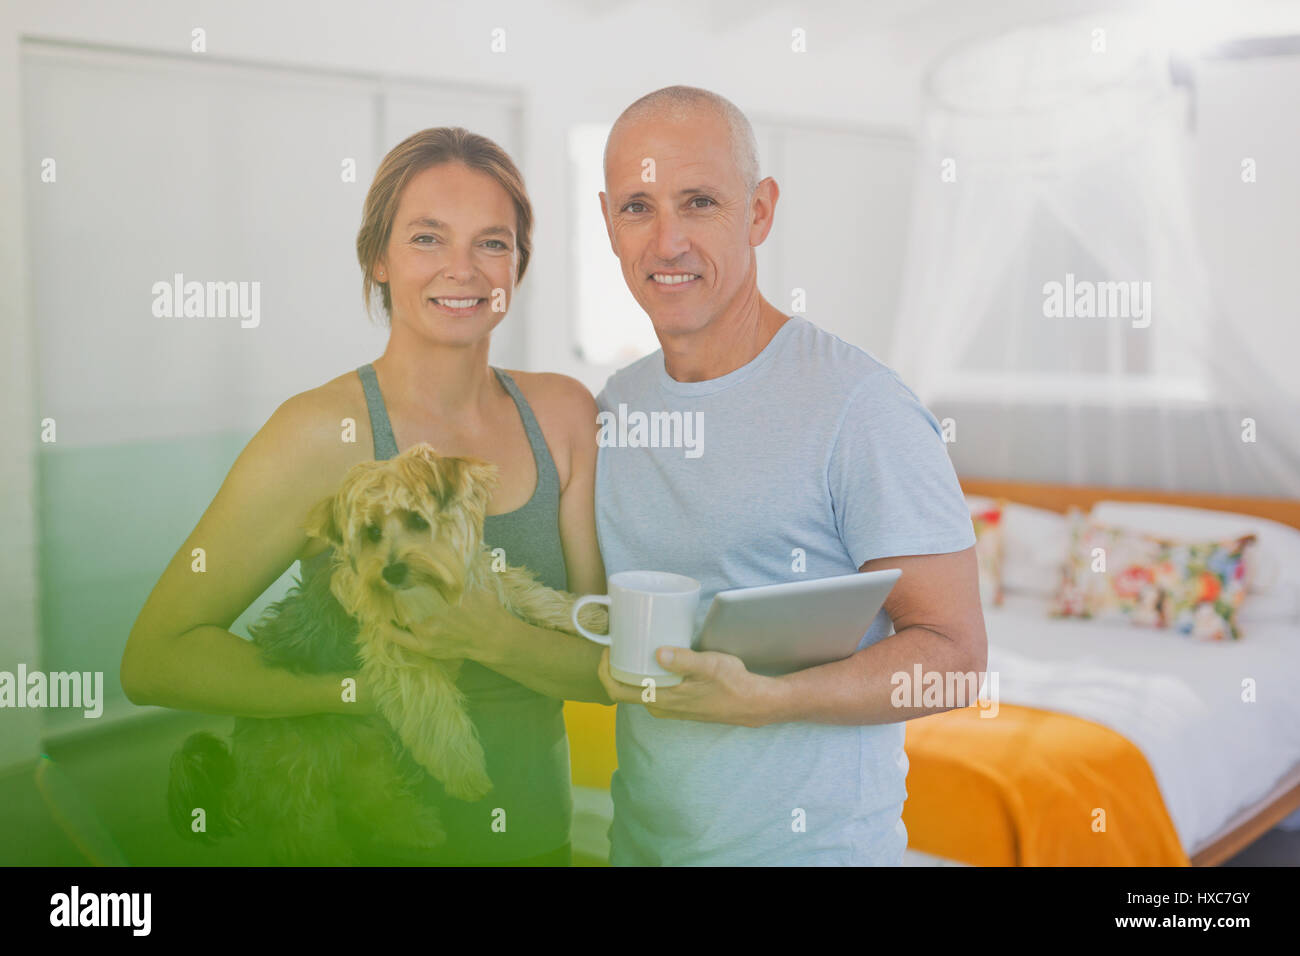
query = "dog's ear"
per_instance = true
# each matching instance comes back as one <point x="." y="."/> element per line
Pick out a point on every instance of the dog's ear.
<point x="473" y="481"/>
<point x="463" y="483"/>
<point x="454" y="481"/>
<point x="322" y="522"/>
<point x="422" y="453"/>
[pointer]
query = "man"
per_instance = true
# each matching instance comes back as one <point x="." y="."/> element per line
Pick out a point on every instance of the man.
<point x="816" y="461"/>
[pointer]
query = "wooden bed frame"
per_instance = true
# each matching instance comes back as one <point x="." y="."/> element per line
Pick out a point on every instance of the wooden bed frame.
<point x="1249" y="825"/>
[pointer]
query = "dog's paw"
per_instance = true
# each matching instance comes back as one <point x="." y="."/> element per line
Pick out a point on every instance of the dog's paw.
<point x="469" y="786"/>
<point x="594" y="617"/>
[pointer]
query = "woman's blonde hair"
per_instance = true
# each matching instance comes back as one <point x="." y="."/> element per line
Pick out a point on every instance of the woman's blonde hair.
<point x="416" y="153"/>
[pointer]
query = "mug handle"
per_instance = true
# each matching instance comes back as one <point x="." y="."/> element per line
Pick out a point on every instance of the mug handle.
<point x="584" y="600"/>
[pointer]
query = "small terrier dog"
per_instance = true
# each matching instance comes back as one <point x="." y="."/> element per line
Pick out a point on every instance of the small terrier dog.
<point x="407" y="535"/>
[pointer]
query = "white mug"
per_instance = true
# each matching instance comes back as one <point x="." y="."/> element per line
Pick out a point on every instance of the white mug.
<point x="647" y="610"/>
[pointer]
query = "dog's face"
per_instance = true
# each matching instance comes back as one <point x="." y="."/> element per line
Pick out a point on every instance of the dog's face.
<point x="406" y="531"/>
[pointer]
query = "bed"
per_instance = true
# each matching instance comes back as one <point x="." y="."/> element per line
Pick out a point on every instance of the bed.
<point x="1226" y="770"/>
<point x="1143" y="723"/>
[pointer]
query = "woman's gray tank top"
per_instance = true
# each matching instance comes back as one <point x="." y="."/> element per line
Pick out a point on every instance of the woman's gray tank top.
<point x="522" y="731"/>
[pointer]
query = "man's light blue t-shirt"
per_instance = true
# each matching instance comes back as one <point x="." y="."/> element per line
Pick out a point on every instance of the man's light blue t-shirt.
<point x="805" y="463"/>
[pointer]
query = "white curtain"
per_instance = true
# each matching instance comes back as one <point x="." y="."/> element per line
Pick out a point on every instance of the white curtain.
<point x="1044" y="160"/>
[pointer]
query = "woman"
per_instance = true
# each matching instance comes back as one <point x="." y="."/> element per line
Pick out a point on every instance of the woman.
<point x="445" y="237"/>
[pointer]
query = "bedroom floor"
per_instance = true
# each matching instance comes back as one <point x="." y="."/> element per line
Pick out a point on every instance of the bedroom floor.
<point x="108" y="771"/>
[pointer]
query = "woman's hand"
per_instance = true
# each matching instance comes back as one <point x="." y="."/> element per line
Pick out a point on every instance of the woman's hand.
<point x="467" y="631"/>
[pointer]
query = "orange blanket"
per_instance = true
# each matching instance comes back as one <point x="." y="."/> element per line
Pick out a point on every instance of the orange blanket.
<point x="1033" y="788"/>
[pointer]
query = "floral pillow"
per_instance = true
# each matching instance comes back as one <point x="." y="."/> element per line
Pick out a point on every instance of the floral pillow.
<point x="1194" y="588"/>
<point x="988" y="550"/>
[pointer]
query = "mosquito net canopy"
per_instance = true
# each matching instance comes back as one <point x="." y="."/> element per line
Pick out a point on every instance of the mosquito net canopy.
<point x="1058" y="308"/>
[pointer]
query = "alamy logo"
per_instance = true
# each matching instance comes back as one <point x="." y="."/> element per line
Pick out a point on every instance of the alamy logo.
<point x="1098" y="300"/>
<point x="652" y="430"/>
<point x="102" y="909"/>
<point x="179" y="299"/>
<point x="946" y="689"/>
<point x="56" y="689"/>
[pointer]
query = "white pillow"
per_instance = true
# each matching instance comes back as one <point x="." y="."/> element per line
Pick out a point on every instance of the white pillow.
<point x="1274" y="562"/>
<point x="1034" y="546"/>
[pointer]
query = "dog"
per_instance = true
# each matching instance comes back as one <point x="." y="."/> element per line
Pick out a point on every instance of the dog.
<point x="407" y="535"/>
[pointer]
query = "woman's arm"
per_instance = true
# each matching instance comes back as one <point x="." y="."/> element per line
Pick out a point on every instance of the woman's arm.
<point x="578" y="500"/>
<point x="180" y="652"/>
<point x="565" y="664"/>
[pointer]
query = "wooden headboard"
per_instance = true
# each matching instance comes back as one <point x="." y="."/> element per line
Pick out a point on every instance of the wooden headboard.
<point x="1060" y="497"/>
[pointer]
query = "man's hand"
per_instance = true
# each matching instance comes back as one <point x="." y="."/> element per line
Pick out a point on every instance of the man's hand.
<point x="458" y="632"/>
<point x="715" y="687"/>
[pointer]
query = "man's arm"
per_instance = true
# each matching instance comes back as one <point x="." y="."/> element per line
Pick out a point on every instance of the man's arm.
<point x="938" y="623"/>
<point x="907" y="499"/>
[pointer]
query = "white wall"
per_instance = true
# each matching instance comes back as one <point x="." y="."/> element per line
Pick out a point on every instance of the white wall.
<point x="165" y="165"/>
<point x="19" y="729"/>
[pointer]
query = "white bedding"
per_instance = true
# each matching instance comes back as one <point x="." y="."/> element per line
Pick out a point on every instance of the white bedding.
<point x="1179" y="701"/>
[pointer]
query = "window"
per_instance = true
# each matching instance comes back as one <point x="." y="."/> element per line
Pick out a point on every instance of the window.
<point x="612" y="328"/>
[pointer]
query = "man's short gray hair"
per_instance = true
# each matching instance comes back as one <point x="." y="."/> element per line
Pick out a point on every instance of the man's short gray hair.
<point x="677" y="101"/>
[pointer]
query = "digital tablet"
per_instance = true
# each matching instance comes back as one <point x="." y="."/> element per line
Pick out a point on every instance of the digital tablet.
<point x="779" y="628"/>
